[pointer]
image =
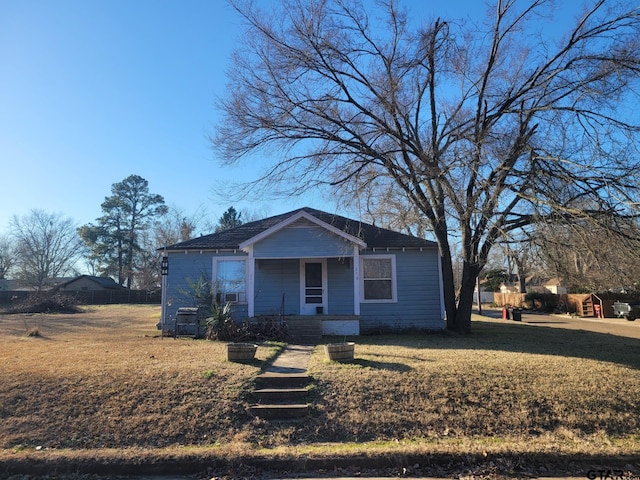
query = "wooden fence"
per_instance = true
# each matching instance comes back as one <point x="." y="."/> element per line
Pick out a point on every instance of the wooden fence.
<point x="509" y="299"/>
<point x="584" y="305"/>
<point x="92" y="297"/>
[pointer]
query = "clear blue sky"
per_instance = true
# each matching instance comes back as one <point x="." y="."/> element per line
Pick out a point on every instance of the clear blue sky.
<point x="92" y="91"/>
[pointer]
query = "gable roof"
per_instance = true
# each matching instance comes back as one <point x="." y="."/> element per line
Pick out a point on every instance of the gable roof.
<point x="104" y="282"/>
<point x="310" y="218"/>
<point x="362" y="233"/>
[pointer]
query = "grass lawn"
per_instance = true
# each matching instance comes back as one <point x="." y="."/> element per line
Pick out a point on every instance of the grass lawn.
<point x="104" y="384"/>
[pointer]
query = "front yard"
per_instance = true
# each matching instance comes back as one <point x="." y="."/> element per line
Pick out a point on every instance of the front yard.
<point x="104" y="381"/>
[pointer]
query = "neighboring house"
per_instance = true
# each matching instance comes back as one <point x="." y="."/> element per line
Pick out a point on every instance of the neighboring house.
<point x="89" y="283"/>
<point x="555" y="286"/>
<point x="545" y="285"/>
<point x="509" y="288"/>
<point x="359" y="278"/>
<point x="535" y="284"/>
<point x="8" y="284"/>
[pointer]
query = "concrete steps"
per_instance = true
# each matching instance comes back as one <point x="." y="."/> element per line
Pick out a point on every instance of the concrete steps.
<point x="280" y="396"/>
<point x="282" y="380"/>
<point x="277" y="395"/>
<point x="281" y="392"/>
<point x="304" y="330"/>
<point x="280" y="412"/>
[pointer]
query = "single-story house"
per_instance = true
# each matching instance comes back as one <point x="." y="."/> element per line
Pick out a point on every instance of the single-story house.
<point x="535" y="283"/>
<point x="545" y="285"/>
<point x="358" y="278"/>
<point x="511" y="287"/>
<point x="89" y="283"/>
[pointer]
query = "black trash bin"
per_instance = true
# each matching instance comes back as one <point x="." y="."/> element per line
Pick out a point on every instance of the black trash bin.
<point x="516" y="315"/>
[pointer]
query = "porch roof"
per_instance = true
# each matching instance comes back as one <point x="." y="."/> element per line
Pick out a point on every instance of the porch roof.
<point x="294" y="218"/>
<point x="363" y="234"/>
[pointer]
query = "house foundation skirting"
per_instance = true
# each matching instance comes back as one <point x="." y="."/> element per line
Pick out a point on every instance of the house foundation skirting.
<point x="341" y="326"/>
<point x="331" y="324"/>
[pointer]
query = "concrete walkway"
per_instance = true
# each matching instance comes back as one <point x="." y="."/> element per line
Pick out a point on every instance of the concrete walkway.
<point x="293" y="360"/>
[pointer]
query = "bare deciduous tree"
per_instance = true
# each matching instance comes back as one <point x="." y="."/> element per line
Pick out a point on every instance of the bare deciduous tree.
<point x="172" y="227"/>
<point x="7" y="255"/>
<point x="47" y="246"/>
<point x="485" y="129"/>
<point x="380" y="203"/>
<point x="592" y="258"/>
<point x="175" y="226"/>
<point x="518" y="258"/>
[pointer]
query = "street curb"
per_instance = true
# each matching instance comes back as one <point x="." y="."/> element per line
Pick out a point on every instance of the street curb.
<point x="435" y="465"/>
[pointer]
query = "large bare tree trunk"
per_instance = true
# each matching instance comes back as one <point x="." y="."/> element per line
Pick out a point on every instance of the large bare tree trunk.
<point x="449" y="290"/>
<point x="465" y="301"/>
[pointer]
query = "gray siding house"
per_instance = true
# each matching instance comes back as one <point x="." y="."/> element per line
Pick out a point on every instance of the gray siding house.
<point x="357" y="277"/>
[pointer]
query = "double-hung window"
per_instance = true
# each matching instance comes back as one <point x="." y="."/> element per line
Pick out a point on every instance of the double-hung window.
<point x="378" y="278"/>
<point x="230" y="280"/>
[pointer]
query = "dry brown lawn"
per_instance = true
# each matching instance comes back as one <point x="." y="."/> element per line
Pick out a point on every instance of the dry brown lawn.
<point x="105" y="379"/>
<point x="503" y="381"/>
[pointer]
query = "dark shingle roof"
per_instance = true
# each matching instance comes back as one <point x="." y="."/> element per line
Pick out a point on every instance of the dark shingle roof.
<point x="374" y="237"/>
<point x="104" y="282"/>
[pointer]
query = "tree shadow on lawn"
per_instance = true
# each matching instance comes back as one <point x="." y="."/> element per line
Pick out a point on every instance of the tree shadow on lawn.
<point x="391" y="366"/>
<point x="523" y="338"/>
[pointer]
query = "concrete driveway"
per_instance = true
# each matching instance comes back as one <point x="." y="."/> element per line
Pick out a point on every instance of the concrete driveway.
<point x="613" y="326"/>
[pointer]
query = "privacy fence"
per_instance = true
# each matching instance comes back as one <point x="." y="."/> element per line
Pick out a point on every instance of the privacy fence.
<point x="92" y="297"/>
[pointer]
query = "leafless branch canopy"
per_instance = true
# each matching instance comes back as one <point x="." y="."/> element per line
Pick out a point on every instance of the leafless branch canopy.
<point x="484" y="131"/>
<point x="47" y="246"/>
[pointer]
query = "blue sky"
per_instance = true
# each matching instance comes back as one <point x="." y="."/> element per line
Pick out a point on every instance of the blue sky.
<point x="92" y="91"/>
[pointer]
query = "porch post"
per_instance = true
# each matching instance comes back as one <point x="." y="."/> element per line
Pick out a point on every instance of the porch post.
<point x="356" y="280"/>
<point x="251" y="269"/>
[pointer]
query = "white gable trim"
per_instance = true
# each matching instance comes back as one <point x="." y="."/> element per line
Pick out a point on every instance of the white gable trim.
<point x="294" y="218"/>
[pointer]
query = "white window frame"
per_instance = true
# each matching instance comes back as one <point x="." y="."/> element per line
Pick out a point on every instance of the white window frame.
<point x="214" y="276"/>
<point x="394" y="293"/>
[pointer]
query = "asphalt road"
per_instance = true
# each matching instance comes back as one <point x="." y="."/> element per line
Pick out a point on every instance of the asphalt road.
<point x="613" y="326"/>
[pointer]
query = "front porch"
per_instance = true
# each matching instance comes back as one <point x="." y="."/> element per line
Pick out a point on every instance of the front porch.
<point x="307" y="287"/>
<point x="308" y="266"/>
<point x="310" y="328"/>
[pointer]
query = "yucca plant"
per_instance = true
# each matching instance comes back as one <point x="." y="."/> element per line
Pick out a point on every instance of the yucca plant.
<point x="220" y="325"/>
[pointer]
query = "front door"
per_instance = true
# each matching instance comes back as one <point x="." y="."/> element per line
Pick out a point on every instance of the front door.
<point x="313" y="282"/>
